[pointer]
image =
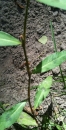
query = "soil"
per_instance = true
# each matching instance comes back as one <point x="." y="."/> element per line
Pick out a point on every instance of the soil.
<point x="13" y="78"/>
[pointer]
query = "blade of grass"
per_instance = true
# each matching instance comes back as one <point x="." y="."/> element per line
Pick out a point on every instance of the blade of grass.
<point x="55" y="47"/>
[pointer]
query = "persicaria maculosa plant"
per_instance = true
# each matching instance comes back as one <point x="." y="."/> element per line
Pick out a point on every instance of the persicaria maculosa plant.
<point x="15" y="114"/>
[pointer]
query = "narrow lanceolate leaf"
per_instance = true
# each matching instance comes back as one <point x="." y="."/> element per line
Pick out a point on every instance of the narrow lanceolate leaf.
<point x="50" y="62"/>
<point x="10" y="116"/>
<point x="40" y="96"/>
<point x="55" y="3"/>
<point x="42" y="91"/>
<point x="8" y="40"/>
<point x="26" y="120"/>
<point x="43" y="40"/>
<point x="46" y="84"/>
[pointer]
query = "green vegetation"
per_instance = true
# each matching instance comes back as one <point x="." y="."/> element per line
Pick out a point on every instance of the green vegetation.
<point x="15" y="113"/>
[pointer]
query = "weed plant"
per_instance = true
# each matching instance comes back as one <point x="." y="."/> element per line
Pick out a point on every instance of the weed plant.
<point x="16" y="114"/>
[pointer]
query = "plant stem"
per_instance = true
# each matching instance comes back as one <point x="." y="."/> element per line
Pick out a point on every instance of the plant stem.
<point x="24" y="38"/>
<point x="62" y="77"/>
<point x="55" y="47"/>
<point x="26" y="58"/>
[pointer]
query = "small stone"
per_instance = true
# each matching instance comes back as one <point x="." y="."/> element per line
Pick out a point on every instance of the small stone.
<point x="55" y="71"/>
<point x="63" y="46"/>
<point x="55" y="13"/>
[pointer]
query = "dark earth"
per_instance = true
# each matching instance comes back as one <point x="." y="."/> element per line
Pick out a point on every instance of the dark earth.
<point x="13" y="75"/>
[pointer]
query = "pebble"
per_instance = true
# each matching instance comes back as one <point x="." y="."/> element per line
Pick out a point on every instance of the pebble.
<point x="55" y="13"/>
<point x="63" y="46"/>
<point x="56" y="71"/>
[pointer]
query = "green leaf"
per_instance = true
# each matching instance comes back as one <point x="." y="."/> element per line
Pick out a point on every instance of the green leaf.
<point x="50" y="62"/>
<point x="43" y="39"/>
<point x="8" y="40"/>
<point x="2" y="125"/>
<point x="42" y="91"/>
<point x="40" y="96"/>
<point x="58" y="127"/>
<point x="46" y="83"/>
<point x="10" y="116"/>
<point x="26" y="120"/>
<point x="55" y="3"/>
<point x="64" y="125"/>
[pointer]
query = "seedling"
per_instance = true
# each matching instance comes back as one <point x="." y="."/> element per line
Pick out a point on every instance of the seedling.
<point x="15" y="114"/>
